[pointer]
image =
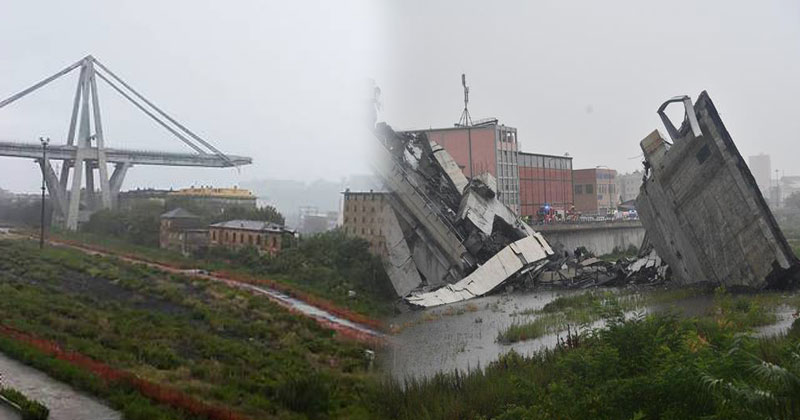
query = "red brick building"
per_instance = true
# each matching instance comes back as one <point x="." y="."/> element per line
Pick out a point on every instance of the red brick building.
<point x="544" y="179"/>
<point x="493" y="147"/>
<point x="264" y="236"/>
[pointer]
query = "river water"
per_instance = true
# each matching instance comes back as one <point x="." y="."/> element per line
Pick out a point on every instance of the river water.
<point x="64" y="402"/>
<point x="462" y="336"/>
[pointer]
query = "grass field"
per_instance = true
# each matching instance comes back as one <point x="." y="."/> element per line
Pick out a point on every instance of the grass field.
<point x="219" y="345"/>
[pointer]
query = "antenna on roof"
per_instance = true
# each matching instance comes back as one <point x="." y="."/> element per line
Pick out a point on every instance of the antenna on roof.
<point x="466" y="119"/>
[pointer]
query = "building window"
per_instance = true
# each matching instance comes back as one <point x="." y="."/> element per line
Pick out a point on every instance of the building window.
<point x="579" y="189"/>
<point x="258" y="240"/>
<point x="250" y="239"/>
<point x="589" y="189"/>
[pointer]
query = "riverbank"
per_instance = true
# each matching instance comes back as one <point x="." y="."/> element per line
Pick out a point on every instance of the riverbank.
<point x="218" y="345"/>
<point x="662" y="365"/>
<point x="472" y="334"/>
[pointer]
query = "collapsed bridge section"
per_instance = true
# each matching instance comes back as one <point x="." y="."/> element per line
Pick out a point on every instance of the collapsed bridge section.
<point x="702" y="209"/>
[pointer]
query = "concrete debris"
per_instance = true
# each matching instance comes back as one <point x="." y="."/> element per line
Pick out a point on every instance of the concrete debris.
<point x="447" y="230"/>
<point x="583" y="270"/>
<point x="502" y="266"/>
<point x="702" y="209"/>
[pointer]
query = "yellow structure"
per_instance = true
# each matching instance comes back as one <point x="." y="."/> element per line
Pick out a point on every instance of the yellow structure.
<point x="213" y="200"/>
<point x="233" y="193"/>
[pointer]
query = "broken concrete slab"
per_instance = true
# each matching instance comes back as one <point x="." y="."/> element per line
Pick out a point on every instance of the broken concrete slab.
<point x="399" y="265"/>
<point x="502" y="266"/>
<point x="452" y="229"/>
<point x="702" y="209"/>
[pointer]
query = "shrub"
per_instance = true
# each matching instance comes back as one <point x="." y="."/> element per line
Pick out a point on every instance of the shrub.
<point x="30" y="409"/>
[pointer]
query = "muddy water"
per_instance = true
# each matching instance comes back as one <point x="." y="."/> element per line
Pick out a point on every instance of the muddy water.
<point x="463" y="336"/>
<point x="435" y="341"/>
<point x="64" y="402"/>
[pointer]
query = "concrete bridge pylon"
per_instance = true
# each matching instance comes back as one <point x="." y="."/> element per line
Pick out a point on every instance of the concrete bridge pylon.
<point x="85" y="152"/>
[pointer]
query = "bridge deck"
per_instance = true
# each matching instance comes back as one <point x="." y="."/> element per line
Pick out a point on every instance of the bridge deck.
<point x="134" y="157"/>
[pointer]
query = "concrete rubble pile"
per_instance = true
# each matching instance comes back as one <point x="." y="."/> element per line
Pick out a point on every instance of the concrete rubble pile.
<point x="448" y="238"/>
<point x="584" y="270"/>
<point x="702" y="210"/>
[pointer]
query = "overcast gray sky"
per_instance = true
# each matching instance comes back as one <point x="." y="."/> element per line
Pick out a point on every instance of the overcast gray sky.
<point x="587" y="77"/>
<point x="282" y="81"/>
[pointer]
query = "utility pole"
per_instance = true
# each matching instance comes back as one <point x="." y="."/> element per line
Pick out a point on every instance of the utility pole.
<point x="45" y="141"/>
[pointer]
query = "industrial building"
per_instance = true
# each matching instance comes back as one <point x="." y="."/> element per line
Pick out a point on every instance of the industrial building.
<point x="484" y="147"/>
<point x="544" y="180"/>
<point x="595" y="191"/>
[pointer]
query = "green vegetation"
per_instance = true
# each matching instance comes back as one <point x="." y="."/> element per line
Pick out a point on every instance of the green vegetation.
<point x="659" y="366"/>
<point x="131" y="403"/>
<point x="581" y="309"/>
<point x="30" y="409"/>
<point x="219" y="345"/>
<point x="746" y="311"/>
<point x="139" y="223"/>
<point x="329" y="265"/>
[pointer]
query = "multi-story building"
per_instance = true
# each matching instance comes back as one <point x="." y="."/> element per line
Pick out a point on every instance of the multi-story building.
<point x="544" y="180"/>
<point x="484" y="147"/>
<point x="265" y="236"/>
<point x="761" y="169"/>
<point x="182" y="231"/>
<point x="212" y="200"/>
<point x="363" y="216"/>
<point x="132" y="198"/>
<point x="595" y="191"/>
<point x="628" y="185"/>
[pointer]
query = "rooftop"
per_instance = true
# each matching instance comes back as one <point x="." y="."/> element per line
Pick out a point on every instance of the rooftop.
<point x="179" y="213"/>
<point x="254" y="225"/>
<point x="234" y="192"/>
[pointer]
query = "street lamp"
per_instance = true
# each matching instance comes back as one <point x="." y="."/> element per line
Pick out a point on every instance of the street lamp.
<point x="45" y="141"/>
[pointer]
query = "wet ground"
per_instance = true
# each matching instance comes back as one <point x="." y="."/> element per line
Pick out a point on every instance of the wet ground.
<point x="462" y="336"/>
<point x="7" y="413"/>
<point x="64" y="402"/>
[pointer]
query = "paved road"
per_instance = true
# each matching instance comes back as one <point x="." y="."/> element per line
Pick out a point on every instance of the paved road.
<point x="7" y="413"/>
<point x="64" y="402"/>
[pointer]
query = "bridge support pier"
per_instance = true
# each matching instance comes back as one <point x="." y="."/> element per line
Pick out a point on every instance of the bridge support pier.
<point x="86" y="151"/>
